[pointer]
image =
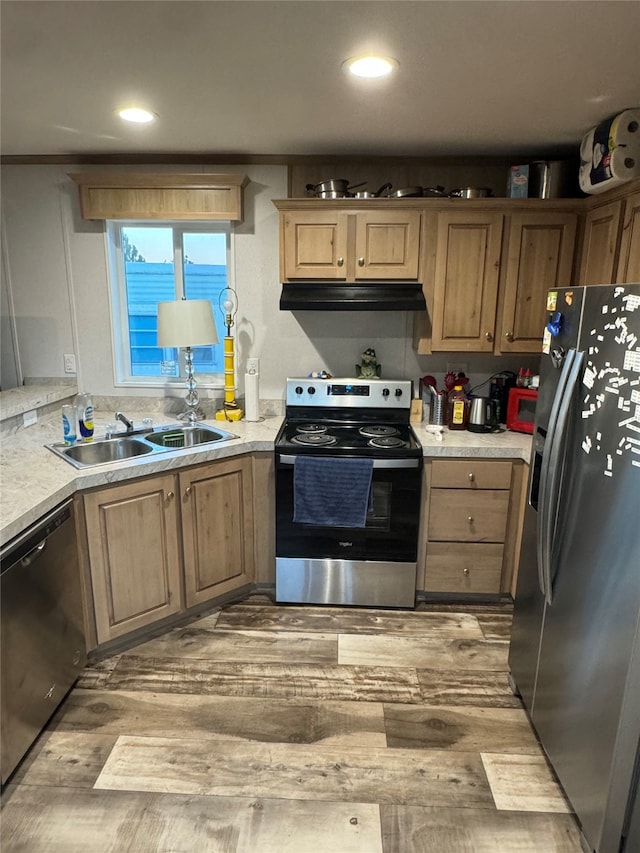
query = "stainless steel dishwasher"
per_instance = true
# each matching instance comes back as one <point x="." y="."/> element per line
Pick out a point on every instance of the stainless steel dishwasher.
<point x="43" y="643"/>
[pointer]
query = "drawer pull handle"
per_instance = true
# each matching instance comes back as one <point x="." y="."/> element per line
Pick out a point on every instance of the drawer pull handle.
<point x="471" y="478"/>
<point x="187" y="491"/>
<point x="340" y="261"/>
<point x="509" y="336"/>
<point x="465" y="571"/>
<point x="470" y="519"/>
<point x="170" y="496"/>
<point x="360" y="262"/>
<point x="488" y="336"/>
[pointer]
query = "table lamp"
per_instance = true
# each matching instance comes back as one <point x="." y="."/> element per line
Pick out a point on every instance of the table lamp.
<point x="187" y="323"/>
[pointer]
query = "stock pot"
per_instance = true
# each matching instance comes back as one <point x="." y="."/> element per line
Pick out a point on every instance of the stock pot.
<point x="334" y="188"/>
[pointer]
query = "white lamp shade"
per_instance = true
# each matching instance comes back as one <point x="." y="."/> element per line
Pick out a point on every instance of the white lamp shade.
<point x="186" y="323"/>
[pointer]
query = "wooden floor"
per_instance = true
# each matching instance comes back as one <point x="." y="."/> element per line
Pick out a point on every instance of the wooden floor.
<point x="266" y="729"/>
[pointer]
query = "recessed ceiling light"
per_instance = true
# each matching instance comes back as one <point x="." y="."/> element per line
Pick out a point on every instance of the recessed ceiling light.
<point x="371" y="66"/>
<point x="137" y="115"/>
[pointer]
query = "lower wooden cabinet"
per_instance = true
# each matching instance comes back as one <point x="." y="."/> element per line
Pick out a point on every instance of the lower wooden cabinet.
<point x="164" y="543"/>
<point x="217" y="528"/>
<point x="134" y="553"/>
<point x="470" y="525"/>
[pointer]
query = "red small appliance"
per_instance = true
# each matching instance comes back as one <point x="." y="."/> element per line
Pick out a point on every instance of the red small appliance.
<point x="521" y="409"/>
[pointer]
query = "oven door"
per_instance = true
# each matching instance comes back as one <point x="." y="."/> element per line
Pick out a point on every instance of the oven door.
<point x="373" y="565"/>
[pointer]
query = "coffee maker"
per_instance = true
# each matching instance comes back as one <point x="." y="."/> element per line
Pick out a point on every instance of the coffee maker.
<point x="499" y="389"/>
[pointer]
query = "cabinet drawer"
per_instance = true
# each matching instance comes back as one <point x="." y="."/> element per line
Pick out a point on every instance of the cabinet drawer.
<point x="470" y="474"/>
<point x="463" y="516"/>
<point x="455" y="567"/>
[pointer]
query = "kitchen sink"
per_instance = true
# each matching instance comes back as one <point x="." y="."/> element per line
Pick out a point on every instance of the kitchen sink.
<point x="122" y="447"/>
<point x="187" y="436"/>
<point x="100" y="452"/>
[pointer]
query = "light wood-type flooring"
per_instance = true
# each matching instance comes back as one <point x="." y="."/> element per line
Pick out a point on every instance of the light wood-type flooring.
<point x="269" y="729"/>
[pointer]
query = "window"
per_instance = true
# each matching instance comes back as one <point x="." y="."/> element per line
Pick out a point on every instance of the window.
<point x="159" y="262"/>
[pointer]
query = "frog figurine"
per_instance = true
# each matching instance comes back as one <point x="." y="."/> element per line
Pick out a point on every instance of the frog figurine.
<point x="369" y="368"/>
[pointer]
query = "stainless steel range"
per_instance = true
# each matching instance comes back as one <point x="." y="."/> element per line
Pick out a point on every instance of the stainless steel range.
<point x="348" y="480"/>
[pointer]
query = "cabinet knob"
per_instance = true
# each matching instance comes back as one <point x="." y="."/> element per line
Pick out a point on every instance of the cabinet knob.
<point x="470" y="519"/>
<point x="488" y="336"/>
<point x="340" y="261"/>
<point x="471" y="477"/>
<point x="509" y="336"/>
<point x="170" y="496"/>
<point x="187" y="491"/>
<point x="465" y="571"/>
<point x="360" y="262"/>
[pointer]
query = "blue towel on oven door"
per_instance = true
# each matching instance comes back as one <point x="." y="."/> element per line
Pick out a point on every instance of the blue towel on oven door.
<point x="331" y="492"/>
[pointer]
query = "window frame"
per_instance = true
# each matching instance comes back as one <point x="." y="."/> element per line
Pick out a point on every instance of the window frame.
<point x="119" y="315"/>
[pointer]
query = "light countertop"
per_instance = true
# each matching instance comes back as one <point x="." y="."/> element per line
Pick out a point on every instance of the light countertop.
<point x="34" y="480"/>
<point x="454" y="443"/>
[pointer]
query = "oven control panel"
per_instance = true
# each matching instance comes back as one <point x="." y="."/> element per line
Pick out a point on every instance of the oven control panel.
<point x="349" y="393"/>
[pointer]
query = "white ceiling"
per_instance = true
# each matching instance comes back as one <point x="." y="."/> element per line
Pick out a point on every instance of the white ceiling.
<point x="265" y="78"/>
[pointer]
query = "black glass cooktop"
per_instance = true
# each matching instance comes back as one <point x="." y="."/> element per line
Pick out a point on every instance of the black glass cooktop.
<point x="377" y="439"/>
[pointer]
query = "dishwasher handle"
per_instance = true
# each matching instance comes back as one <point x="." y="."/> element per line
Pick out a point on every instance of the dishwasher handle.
<point x="33" y="555"/>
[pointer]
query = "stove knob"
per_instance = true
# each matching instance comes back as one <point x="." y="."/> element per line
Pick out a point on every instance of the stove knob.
<point x="398" y="392"/>
<point x="312" y="390"/>
<point x="385" y="392"/>
<point x="299" y="389"/>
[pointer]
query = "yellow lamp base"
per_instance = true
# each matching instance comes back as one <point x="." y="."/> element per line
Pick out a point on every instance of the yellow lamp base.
<point x="229" y="415"/>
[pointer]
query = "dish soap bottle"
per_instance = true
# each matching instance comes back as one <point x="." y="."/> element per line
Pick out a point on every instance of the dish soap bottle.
<point x="84" y="408"/>
<point x="458" y="408"/>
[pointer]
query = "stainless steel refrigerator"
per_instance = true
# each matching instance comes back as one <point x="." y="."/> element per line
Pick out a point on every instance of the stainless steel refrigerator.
<point x="575" y="649"/>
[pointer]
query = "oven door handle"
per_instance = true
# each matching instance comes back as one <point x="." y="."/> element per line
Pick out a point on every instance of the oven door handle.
<point x="290" y="458"/>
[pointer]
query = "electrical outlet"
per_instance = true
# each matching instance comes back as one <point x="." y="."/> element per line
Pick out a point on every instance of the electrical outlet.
<point x="29" y="418"/>
<point x="253" y="365"/>
<point x="457" y="367"/>
<point x="69" y="363"/>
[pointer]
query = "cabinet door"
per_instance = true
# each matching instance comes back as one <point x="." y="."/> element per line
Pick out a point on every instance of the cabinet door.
<point x="387" y="245"/>
<point x="314" y="244"/>
<point x="600" y="244"/>
<point x="629" y="257"/>
<point x="217" y="528"/>
<point x="132" y="534"/>
<point x="466" y="281"/>
<point x="539" y="258"/>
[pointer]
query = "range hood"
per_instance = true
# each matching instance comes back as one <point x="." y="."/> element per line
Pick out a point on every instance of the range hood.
<point x="322" y="296"/>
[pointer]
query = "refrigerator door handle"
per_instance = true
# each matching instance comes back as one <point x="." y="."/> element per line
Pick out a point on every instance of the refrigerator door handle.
<point x="542" y="530"/>
<point x="556" y="468"/>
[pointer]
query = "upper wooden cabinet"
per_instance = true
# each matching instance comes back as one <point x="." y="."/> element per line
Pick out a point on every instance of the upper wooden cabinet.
<point x="313" y="244"/>
<point x="629" y="256"/>
<point x="166" y="195"/>
<point x="538" y="257"/>
<point x="600" y="243"/>
<point x="467" y="264"/>
<point x="387" y="245"/>
<point x="325" y="241"/>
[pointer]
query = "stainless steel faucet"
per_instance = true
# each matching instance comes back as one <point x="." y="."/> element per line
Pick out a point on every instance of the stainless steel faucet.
<point x="125" y="420"/>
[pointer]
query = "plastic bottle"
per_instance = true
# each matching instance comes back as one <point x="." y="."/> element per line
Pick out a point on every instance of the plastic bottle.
<point x="69" y="419"/>
<point x="458" y="408"/>
<point x="84" y="408"/>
